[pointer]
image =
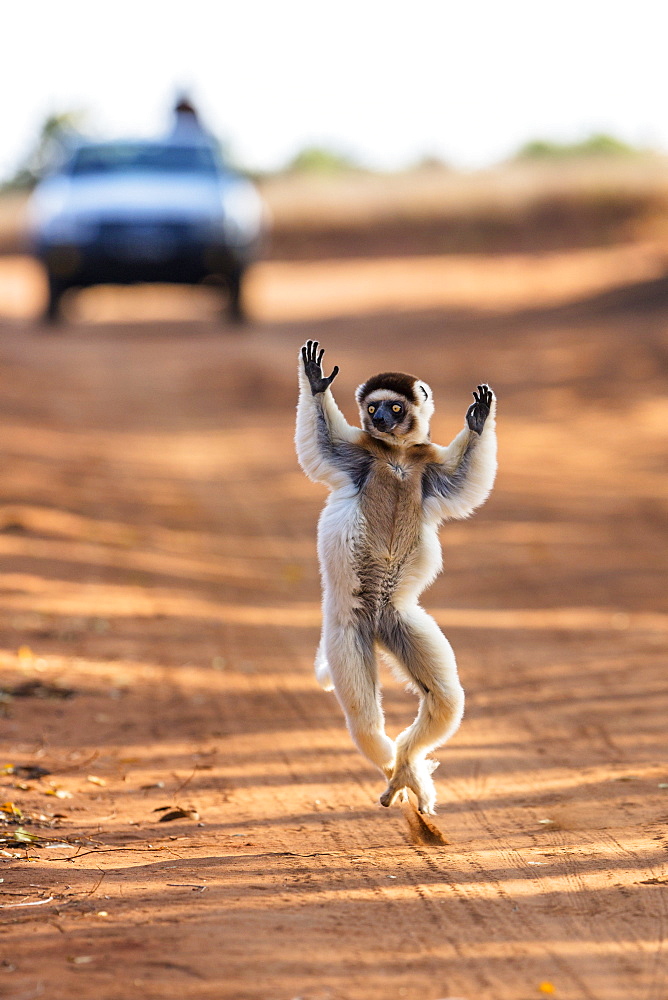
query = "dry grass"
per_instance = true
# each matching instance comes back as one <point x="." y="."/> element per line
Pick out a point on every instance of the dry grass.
<point x="366" y="198"/>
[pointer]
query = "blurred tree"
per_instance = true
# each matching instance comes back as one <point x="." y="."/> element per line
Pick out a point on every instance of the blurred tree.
<point x="599" y="144"/>
<point x="54" y="138"/>
<point x="317" y="159"/>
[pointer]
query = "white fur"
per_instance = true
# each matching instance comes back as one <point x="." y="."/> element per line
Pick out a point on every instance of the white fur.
<point x="310" y="457"/>
<point x="342" y="660"/>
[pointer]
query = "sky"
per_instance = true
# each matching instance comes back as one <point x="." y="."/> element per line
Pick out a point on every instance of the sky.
<point x="387" y="83"/>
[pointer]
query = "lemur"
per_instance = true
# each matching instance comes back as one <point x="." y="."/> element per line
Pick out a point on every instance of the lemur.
<point x="378" y="549"/>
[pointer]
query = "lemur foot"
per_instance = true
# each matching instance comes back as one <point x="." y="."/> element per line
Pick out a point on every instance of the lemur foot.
<point x="477" y="413"/>
<point x="399" y="795"/>
<point x="415" y="777"/>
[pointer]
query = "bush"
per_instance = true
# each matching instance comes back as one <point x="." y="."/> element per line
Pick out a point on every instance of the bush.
<point x="318" y="160"/>
<point x="55" y="136"/>
<point x="595" y="145"/>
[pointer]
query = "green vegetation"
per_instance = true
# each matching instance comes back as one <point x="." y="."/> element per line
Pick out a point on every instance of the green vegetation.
<point x="55" y="134"/>
<point x="319" y="160"/>
<point x="599" y="144"/>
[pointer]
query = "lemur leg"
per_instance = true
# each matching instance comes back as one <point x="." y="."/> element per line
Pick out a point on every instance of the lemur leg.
<point x="350" y="655"/>
<point x="423" y="652"/>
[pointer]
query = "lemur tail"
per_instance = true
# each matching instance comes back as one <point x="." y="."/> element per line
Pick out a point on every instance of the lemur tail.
<point x="322" y="671"/>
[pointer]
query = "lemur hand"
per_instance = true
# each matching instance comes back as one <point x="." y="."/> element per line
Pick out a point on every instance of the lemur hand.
<point x="312" y="367"/>
<point x="477" y="413"/>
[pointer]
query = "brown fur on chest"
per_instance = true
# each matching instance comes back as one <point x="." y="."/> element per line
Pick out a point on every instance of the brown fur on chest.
<point x="391" y="500"/>
<point x="413" y="459"/>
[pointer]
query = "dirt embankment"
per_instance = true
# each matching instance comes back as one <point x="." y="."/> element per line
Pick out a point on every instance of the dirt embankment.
<point x="517" y="208"/>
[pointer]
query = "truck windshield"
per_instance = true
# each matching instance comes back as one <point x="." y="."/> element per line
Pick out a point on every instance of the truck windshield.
<point x="142" y="157"/>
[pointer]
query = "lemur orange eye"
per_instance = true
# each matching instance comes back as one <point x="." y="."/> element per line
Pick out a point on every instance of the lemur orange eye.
<point x="371" y="409"/>
<point x="396" y="408"/>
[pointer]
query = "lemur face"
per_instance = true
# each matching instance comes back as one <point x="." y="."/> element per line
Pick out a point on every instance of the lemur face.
<point x="396" y="408"/>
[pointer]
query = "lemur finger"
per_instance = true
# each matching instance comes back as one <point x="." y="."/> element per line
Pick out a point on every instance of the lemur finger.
<point x="320" y="356"/>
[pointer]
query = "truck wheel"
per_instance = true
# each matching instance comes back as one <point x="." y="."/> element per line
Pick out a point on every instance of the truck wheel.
<point x="235" y="307"/>
<point x="57" y="289"/>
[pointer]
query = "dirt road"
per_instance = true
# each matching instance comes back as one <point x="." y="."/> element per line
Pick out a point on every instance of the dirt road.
<point x="159" y="607"/>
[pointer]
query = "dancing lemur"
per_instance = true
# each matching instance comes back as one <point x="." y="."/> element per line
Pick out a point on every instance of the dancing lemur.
<point x="378" y="549"/>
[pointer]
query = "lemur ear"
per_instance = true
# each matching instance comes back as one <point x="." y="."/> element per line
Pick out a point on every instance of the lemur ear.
<point x="424" y="389"/>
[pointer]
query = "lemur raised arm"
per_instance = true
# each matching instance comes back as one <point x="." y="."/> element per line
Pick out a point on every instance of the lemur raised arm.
<point x="378" y="549"/>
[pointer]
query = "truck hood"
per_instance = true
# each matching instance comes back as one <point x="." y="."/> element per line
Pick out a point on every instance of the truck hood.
<point x="63" y="207"/>
<point x="130" y="196"/>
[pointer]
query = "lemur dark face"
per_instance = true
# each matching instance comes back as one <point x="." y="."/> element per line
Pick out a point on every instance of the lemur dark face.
<point x="396" y="408"/>
<point x="386" y="414"/>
